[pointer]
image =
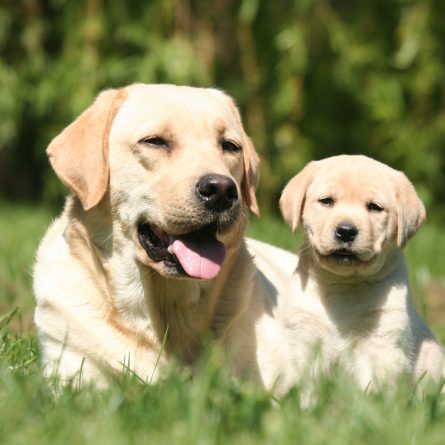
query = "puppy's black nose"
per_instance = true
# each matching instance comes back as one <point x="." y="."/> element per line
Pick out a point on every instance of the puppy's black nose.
<point x="346" y="232"/>
<point x="217" y="192"/>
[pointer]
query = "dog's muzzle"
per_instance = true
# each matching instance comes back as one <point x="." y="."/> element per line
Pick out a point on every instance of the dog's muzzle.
<point x="192" y="248"/>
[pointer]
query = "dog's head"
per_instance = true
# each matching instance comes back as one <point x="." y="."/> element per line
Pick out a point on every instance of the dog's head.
<point x="354" y="210"/>
<point x="175" y="166"/>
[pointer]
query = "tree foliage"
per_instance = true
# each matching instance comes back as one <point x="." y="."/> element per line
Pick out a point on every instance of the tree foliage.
<point x="313" y="78"/>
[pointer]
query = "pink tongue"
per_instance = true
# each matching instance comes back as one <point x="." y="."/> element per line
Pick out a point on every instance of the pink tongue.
<point x="199" y="258"/>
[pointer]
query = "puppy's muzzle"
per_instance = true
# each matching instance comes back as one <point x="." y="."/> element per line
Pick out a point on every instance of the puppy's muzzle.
<point x="217" y="192"/>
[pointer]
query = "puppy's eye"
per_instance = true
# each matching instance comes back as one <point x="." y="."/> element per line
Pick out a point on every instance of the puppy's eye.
<point x="373" y="207"/>
<point x="327" y="202"/>
<point x="230" y="146"/>
<point x="155" y="141"/>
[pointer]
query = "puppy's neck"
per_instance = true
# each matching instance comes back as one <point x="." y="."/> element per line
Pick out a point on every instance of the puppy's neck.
<point x="354" y="302"/>
<point x="328" y="281"/>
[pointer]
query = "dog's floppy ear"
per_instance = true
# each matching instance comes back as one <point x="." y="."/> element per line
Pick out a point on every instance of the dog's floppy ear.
<point x="410" y="209"/>
<point x="251" y="160"/>
<point x="251" y="175"/>
<point x="292" y="198"/>
<point x="79" y="155"/>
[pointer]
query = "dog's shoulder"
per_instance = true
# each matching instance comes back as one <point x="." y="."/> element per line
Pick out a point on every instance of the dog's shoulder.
<point x="53" y="279"/>
<point x="54" y="246"/>
<point x="59" y="272"/>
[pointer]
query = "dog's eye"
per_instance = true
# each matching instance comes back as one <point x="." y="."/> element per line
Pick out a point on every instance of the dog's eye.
<point x="328" y="201"/>
<point x="230" y="146"/>
<point x="373" y="207"/>
<point x="154" y="140"/>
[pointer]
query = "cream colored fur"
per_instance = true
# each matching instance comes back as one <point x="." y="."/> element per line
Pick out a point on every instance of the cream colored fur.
<point x="357" y="314"/>
<point x="102" y="304"/>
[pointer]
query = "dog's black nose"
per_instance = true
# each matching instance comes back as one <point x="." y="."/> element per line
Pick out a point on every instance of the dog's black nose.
<point x="218" y="192"/>
<point x="346" y="232"/>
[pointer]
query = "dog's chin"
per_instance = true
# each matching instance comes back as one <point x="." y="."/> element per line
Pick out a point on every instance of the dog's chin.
<point x="344" y="261"/>
<point x="195" y="252"/>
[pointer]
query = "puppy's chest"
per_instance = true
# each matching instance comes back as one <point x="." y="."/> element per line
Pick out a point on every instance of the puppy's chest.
<point x="341" y="326"/>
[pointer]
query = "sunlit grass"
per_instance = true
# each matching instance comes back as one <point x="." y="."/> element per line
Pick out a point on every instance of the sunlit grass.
<point x="209" y="408"/>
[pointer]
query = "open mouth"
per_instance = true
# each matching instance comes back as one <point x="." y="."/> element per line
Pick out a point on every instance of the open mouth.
<point x="197" y="254"/>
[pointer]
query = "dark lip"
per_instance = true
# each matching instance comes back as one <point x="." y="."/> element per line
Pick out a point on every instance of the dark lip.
<point x="155" y="242"/>
<point x="155" y="245"/>
<point x="344" y="257"/>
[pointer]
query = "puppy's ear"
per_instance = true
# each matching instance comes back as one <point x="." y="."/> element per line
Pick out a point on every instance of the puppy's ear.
<point x="410" y="209"/>
<point x="79" y="155"/>
<point x="251" y="175"/>
<point x="292" y="198"/>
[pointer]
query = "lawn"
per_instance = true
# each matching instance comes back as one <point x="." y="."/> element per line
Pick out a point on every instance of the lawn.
<point x="209" y="408"/>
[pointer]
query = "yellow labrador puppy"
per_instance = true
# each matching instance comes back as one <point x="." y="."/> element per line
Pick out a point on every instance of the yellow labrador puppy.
<point x="149" y="245"/>
<point x="350" y="291"/>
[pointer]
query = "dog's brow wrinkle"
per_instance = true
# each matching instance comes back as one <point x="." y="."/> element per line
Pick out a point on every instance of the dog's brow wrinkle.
<point x="164" y="130"/>
<point x="220" y="126"/>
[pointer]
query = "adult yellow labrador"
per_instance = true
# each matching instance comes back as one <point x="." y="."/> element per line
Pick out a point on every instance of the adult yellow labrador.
<point x="150" y="244"/>
<point x="350" y="292"/>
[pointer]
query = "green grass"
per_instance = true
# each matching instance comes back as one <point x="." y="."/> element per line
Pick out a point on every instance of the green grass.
<point x="209" y="408"/>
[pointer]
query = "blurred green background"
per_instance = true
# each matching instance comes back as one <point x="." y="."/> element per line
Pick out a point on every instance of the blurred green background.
<point x="312" y="78"/>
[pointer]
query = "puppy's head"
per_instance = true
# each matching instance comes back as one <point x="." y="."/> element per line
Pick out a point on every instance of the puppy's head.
<point x="354" y="211"/>
<point x="175" y="166"/>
